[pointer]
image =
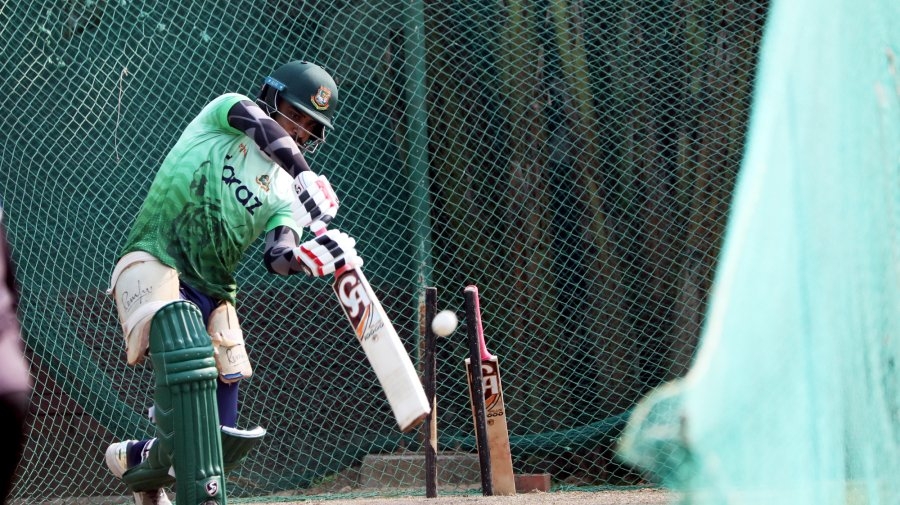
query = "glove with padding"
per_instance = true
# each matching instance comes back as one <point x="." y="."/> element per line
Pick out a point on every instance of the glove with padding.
<point x="316" y="199"/>
<point x="328" y="252"/>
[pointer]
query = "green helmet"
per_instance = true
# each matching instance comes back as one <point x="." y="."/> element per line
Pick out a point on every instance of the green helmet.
<point x="306" y="86"/>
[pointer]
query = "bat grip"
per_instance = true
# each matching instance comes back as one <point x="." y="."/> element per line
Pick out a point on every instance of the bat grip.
<point x="485" y="355"/>
<point x="319" y="228"/>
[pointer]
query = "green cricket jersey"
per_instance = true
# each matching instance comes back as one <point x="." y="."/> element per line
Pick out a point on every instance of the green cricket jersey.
<point x="214" y="194"/>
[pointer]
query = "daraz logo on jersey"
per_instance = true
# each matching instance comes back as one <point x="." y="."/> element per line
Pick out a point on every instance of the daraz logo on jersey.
<point x="242" y="193"/>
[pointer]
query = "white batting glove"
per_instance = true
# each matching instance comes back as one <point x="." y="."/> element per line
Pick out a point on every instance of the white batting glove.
<point x="316" y="199"/>
<point x="328" y="252"/>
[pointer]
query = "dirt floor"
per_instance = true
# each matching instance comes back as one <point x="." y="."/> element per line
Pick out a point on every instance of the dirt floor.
<point x="646" y="496"/>
<point x="343" y="489"/>
<point x="625" y="496"/>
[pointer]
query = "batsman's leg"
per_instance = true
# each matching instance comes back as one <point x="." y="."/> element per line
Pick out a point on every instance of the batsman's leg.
<point x="187" y="422"/>
<point x="236" y="445"/>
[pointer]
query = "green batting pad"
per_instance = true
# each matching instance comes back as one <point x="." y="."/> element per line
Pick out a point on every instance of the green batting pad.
<point x="187" y="418"/>
<point x="236" y="444"/>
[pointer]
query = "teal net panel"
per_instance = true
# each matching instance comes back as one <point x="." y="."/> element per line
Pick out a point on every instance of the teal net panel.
<point x="794" y="397"/>
<point x="573" y="158"/>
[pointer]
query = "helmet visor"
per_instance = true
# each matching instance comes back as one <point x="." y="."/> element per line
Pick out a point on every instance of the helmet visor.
<point x="309" y="132"/>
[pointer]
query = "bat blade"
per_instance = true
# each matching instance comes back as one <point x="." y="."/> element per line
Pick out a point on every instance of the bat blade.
<point x="502" y="474"/>
<point x="383" y="348"/>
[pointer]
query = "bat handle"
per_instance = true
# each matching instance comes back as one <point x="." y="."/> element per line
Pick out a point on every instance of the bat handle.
<point x="485" y="355"/>
<point x="319" y="228"/>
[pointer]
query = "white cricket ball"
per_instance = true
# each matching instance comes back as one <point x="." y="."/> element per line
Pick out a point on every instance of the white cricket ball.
<point x="444" y="323"/>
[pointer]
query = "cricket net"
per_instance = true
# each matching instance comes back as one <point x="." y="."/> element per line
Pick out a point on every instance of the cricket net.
<point x="794" y="397"/>
<point x="574" y="159"/>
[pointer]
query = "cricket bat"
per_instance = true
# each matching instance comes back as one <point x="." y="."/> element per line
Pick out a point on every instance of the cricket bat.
<point x="502" y="476"/>
<point x="382" y="346"/>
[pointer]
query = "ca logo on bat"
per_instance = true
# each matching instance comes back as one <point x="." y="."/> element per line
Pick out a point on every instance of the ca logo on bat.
<point x="491" y="384"/>
<point x="354" y="301"/>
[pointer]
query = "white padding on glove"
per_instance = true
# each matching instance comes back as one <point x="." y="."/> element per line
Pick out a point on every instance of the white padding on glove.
<point x="316" y="199"/>
<point x="328" y="252"/>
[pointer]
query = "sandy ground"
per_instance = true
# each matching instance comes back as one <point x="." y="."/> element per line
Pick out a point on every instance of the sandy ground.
<point x="617" y="497"/>
<point x="629" y="496"/>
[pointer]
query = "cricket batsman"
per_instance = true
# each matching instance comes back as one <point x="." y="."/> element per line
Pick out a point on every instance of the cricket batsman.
<point x="236" y="173"/>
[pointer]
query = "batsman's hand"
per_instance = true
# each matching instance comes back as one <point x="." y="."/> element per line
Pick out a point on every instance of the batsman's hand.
<point x="326" y="253"/>
<point x="316" y="199"/>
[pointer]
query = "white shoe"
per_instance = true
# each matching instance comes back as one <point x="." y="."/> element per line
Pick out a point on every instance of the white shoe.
<point x="117" y="461"/>
<point x="117" y="457"/>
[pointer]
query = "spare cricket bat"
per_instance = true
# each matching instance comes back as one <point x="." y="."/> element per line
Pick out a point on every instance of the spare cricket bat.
<point x="383" y="348"/>
<point x="502" y="476"/>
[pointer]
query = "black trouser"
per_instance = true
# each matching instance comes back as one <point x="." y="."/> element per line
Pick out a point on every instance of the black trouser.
<point x="13" y="413"/>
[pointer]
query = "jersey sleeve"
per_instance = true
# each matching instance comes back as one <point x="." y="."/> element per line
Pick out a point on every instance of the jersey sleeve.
<point x="283" y="214"/>
<point x="280" y="219"/>
<point x="216" y="111"/>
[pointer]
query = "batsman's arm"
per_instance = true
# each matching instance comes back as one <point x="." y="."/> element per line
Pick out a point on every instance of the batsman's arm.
<point x="329" y="251"/>
<point x="279" y="256"/>
<point x="268" y="135"/>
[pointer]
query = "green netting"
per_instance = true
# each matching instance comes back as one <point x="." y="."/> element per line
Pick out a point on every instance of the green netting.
<point x="794" y="396"/>
<point x="575" y="159"/>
